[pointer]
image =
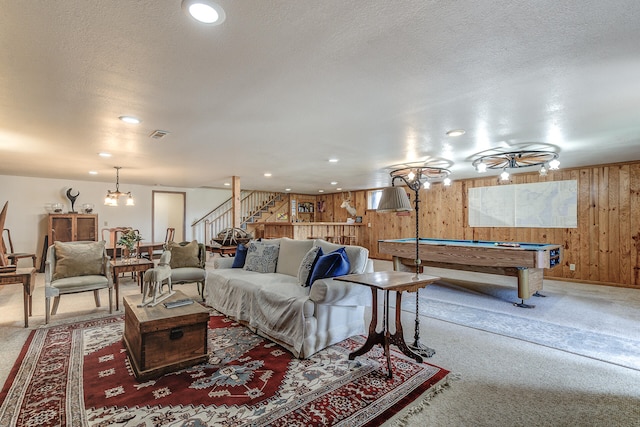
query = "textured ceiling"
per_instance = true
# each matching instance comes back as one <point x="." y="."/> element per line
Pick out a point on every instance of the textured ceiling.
<point x="282" y="86"/>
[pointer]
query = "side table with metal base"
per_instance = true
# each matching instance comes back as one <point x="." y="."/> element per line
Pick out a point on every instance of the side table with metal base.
<point x="398" y="281"/>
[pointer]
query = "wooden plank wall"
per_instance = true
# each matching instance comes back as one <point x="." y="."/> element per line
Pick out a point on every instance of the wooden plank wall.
<point x="605" y="247"/>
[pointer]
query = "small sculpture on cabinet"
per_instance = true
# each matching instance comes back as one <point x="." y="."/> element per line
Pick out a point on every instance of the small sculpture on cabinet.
<point x="72" y="198"/>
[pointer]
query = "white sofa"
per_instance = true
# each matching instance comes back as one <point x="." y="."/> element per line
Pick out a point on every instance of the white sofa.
<point x="303" y="319"/>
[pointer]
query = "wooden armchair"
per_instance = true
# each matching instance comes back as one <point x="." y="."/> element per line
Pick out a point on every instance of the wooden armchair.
<point x="188" y="264"/>
<point x="73" y="267"/>
<point x="13" y="256"/>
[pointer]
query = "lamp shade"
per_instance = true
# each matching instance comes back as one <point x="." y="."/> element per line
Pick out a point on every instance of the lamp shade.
<point x="394" y="199"/>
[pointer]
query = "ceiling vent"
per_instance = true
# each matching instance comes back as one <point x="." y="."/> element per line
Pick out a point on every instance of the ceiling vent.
<point x="158" y="134"/>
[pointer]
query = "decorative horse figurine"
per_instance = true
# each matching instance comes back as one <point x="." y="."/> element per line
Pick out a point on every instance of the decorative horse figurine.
<point x="153" y="280"/>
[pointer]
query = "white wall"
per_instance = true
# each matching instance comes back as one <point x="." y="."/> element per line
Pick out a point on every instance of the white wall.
<point x="30" y="202"/>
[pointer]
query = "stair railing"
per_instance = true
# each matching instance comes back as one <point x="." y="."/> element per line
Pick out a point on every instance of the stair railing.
<point x="252" y="205"/>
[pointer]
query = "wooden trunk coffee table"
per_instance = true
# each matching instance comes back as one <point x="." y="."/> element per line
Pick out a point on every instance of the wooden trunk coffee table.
<point x="160" y="339"/>
<point x="386" y="281"/>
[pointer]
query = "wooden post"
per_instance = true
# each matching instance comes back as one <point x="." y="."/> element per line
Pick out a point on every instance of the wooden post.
<point x="236" y="202"/>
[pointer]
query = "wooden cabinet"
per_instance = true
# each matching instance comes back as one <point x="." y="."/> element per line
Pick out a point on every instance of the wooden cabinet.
<point x="305" y="210"/>
<point x="73" y="227"/>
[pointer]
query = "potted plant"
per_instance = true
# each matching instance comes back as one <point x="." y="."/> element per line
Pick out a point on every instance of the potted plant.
<point x="129" y="239"/>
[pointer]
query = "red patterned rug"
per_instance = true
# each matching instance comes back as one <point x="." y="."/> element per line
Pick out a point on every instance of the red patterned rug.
<point x="78" y="375"/>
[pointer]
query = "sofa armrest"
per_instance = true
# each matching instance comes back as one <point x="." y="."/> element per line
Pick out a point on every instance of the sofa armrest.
<point x="369" y="266"/>
<point x="223" y="262"/>
<point x="336" y="292"/>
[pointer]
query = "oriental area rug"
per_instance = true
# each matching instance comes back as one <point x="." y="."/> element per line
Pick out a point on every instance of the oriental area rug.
<point x="79" y="375"/>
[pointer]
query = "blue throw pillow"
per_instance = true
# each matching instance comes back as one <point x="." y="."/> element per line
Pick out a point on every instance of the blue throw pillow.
<point x="241" y="256"/>
<point x="333" y="264"/>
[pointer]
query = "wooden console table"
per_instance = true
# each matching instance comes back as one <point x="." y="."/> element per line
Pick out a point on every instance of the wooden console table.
<point x="386" y="281"/>
<point x="223" y="250"/>
<point x="26" y="276"/>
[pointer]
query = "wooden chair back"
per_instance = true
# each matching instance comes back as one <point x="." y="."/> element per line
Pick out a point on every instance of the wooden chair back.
<point x="10" y="253"/>
<point x="115" y="233"/>
<point x="169" y="235"/>
<point x="7" y="249"/>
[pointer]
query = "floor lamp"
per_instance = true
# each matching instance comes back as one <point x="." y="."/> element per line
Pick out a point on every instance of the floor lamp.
<point x="395" y="199"/>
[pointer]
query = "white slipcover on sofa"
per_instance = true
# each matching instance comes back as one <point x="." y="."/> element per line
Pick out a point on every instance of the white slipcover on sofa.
<point x="303" y="319"/>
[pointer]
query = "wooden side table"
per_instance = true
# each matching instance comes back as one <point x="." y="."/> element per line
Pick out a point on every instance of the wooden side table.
<point x="26" y="276"/>
<point x="398" y="281"/>
<point x="137" y="265"/>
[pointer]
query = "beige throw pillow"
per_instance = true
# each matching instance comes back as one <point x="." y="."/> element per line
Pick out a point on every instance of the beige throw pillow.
<point x="78" y="259"/>
<point x="291" y="254"/>
<point x="184" y="256"/>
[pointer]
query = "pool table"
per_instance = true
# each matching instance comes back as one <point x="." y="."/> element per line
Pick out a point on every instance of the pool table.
<point x="525" y="261"/>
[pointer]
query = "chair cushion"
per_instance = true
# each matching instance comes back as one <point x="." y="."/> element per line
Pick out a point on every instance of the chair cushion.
<point x="184" y="256"/>
<point x="78" y="259"/>
<point x="188" y="274"/>
<point x="291" y="254"/>
<point x="332" y="264"/>
<point x="262" y="257"/>
<point x="81" y="283"/>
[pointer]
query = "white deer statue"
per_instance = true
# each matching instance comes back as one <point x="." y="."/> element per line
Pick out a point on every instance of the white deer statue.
<point x="346" y="204"/>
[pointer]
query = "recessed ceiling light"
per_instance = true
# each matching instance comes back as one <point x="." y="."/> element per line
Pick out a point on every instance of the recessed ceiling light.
<point x="267" y="174"/>
<point x="320" y="191"/>
<point x="104" y="154"/>
<point x="130" y="119"/>
<point x="227" y="184"/>
<point x="339" y="189"/>
<point x="456" y="132"/>
<point x="334" y="182"/>
<point x="204" y="11"/>
<point x="287" y="189"/>
<point x="93" y="173"/>
<point x="333" y="160"/>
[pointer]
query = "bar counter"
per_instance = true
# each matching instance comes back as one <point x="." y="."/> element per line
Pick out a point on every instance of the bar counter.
<point x="338" y="232"/>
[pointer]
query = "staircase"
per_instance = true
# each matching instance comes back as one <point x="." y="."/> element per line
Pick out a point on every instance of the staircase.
<point x="253" y="205"/>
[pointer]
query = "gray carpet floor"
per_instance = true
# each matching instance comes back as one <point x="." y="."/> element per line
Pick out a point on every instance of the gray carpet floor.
<point x="497" y="380"/>
<point x="556" y="321"/>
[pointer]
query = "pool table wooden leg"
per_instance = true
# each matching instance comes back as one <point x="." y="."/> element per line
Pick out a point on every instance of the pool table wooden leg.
<point x="529" y="283"/>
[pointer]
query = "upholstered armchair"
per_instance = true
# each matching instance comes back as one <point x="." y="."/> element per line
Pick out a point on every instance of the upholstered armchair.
<point x="73" y="267"/>
<point x="188" y="264"/>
